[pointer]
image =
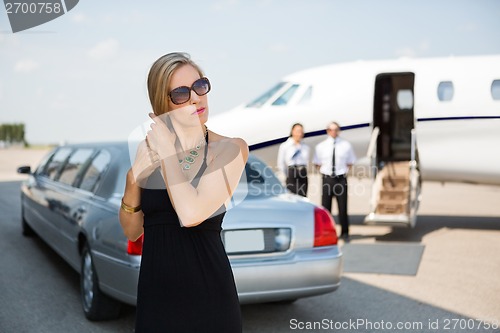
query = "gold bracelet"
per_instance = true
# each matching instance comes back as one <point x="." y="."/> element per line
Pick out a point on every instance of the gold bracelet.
<point x="130" y="209"/>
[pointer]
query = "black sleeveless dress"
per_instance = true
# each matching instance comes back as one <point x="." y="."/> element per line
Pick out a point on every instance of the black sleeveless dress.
<point x="185" y="283"/>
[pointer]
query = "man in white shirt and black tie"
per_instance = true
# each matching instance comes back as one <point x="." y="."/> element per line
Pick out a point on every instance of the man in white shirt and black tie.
<point x="334" y="156"/>
<point x="293" y="158"/>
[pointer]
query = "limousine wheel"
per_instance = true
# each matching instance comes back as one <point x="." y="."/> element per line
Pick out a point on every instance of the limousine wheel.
<point x="96" y="305"/>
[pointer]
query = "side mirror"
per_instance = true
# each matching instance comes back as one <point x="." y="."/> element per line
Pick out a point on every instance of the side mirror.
<point x="26" y="169"/>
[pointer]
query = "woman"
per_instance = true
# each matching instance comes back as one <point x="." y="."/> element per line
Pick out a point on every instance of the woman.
<point x="186" y="175"/>
<point x="293" y="157"/>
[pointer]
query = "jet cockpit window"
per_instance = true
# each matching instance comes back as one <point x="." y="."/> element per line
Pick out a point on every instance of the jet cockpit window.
<point x="266" y="96"/>
<point x="445" y="91"/>
<point x="495" y="90"/>
<point x="286" y="96"/>
<point x="306" y="97"/>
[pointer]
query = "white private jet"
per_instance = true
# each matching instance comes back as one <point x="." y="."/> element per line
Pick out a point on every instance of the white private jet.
<point x="413" y="119"/>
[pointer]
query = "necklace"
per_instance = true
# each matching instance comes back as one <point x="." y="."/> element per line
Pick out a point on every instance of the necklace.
<point x="187" y="161"/>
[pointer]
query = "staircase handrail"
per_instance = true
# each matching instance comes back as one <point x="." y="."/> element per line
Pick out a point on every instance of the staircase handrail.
<point x="373" y="142"/>
<point x="413" y="166"/>
<point x="413" y="154"/>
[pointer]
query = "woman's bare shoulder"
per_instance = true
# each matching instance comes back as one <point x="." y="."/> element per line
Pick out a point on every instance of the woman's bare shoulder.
<point x="221" y="143"/>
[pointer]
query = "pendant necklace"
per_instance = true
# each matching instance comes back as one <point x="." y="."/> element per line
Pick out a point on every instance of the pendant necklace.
<point x="193" y="154"/>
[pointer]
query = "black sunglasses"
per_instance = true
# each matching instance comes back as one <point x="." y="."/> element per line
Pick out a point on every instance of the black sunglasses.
<point x="182" y="94"/>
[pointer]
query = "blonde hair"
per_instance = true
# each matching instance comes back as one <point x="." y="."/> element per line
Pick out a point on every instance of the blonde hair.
<point x="160" y="75"/>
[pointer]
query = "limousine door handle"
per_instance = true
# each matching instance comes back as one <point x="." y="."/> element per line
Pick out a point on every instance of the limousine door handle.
<point x="78" y="214"/>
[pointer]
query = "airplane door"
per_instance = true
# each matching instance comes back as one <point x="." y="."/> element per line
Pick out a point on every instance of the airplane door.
<point x="393" y="115"/>
<point x="396" y="187"/>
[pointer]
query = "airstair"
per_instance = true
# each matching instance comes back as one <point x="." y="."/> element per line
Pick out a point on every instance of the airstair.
<point x="396" y="188"/>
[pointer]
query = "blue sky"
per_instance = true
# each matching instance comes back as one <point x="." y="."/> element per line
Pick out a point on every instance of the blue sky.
<point x="81" y="77"/>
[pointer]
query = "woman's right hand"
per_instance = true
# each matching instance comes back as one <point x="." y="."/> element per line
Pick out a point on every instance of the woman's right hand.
<point x="146" y="161"/>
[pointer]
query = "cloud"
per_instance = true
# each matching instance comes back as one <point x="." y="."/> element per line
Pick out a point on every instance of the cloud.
<point x="424" y="46"/>
<point x="222" y="55"/>
<point x="468" y="27"/>
<point x="78" y="18"/>
<point x="406" y="52"/>
<point x="224" y="5"/>
<point x="411" y="52"/>
<point x="40" y="92"/>
<point x="278" y="48"/>
<point x="104" y="50"/>
<point x="133" y="17"/>
<point x="26" y="66"/>
<point x="61" y="102"/>
<point x="9" y="43"/>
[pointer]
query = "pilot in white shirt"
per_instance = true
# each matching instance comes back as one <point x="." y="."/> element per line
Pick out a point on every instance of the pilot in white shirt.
<point x="293" y="158"/>
<point x="334" y="156"/>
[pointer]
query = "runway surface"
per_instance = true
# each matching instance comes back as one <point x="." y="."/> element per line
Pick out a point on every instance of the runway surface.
<point x="458" y="230"/>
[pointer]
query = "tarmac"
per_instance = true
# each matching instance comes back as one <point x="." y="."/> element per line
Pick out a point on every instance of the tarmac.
<point x="458" y="227"/>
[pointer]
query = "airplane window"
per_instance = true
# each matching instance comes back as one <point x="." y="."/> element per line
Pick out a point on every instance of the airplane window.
<point x="495" y="90"/>
<point x="306" y="98"/>
<point x="445" y="91"/>
<point x="267" y="95"/>
<point x="286" y="96"/>
<point x="405" y="99"/>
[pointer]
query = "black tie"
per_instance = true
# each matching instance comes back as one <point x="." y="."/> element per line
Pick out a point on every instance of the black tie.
<point x="333" y="159"/>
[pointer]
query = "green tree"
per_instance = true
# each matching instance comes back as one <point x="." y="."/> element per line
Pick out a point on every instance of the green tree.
<point x="13" y="133"/>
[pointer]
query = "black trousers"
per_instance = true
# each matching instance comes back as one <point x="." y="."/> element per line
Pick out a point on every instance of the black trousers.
<point x="336" y="187"/>
<point x="296" y="180"/>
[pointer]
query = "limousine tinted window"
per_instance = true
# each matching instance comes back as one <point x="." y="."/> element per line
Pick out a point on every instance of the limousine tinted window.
<point x="95" y="170"/>
<point x="74" y="165"/>
<point x="260" y="179"/>
<point x="41" y="167"/>
<point x="56" y="162"/>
